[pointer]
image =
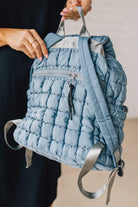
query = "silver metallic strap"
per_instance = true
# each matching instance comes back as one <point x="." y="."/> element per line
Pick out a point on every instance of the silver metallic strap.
<point x="7" y="127"/>
<point x="28" y="153"/>
<point x="90" y="161"/>
<point x="28" y="157"/>
<point x="61" y="28"/>
<point x="84" y="31"/>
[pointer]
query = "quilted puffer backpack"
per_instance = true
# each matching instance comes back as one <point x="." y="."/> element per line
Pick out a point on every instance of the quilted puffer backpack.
<point x="75" y="111"/>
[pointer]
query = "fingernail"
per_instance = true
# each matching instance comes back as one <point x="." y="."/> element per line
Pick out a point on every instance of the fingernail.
<point x="40" y="58"/>
<point x="46" y="56"/>
<point x="71" y="8"/>
<point x="75" y="3"/>
<point x="62" y="13"/>
<point x="66" y="10"/>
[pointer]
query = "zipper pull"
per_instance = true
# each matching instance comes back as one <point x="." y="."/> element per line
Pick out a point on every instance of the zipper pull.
<point x="70" y="101"/>
<point x="71" y="83"/>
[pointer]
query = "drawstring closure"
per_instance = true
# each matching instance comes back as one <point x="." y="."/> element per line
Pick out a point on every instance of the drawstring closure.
<point x="70" y="101"/>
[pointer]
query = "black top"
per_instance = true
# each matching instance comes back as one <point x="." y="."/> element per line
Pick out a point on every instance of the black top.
<point x="36" y="186"/>
<point x="42" y="15"/>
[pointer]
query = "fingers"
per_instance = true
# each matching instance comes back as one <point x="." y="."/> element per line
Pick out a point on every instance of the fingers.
<point x="35" y="45"/>
<point x="38" y="50"/>
<point x="27" y="41"/>
<point x="41" y="43"/>
<point x="70" y="12"/>
<point x="75" y="2"/>
<point x="86" y="6"/>
<point x="26" y="51"/>
<point x="31" y="50"/>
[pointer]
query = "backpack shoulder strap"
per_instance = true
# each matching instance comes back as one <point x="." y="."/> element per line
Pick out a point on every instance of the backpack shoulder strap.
<point x="105" y="122"/>
<point x="97" y="98"/>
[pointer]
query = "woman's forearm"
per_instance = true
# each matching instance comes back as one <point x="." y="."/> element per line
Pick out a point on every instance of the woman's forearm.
<point x="2" y="37"/>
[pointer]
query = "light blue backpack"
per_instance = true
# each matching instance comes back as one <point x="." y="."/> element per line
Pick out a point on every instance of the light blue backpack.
<point x="75" y="111"/>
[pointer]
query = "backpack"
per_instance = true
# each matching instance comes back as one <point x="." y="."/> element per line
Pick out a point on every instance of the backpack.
<point x="75" y="110"/>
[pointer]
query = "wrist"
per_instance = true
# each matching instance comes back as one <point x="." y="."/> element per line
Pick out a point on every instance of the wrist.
<point x="3" y="36"/>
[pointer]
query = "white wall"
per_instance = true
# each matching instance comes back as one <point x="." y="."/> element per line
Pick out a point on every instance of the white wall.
<point x="119" y="20"/>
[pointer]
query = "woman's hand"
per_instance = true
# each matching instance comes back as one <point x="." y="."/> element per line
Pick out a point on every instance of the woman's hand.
<point x="25" y="40"/>
<point x="70" y="12"/>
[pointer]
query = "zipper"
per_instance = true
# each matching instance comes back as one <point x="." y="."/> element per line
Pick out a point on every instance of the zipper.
<point x="59" y="73"/>
<point x="71" y="79"/>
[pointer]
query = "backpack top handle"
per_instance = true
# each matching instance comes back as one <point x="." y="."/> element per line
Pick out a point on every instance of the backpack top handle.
<point x="84" y="32"/>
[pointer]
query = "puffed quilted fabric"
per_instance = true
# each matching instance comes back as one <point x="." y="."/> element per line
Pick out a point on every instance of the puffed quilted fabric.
<point x="47" y="128"/>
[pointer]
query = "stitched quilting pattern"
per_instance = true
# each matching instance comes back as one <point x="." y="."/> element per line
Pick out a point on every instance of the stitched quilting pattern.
<point x="47" y="128"/>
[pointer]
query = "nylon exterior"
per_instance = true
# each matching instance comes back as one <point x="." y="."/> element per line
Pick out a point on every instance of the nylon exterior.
<point x="47" y="129"/>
